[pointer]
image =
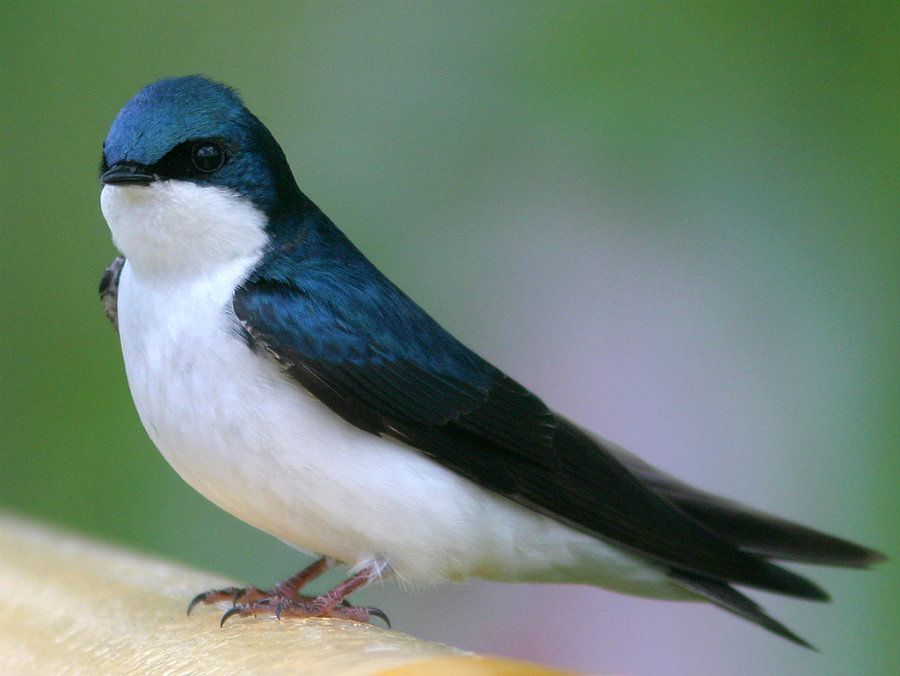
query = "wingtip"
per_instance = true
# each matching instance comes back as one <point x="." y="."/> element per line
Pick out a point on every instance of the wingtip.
<point x="872" y="557"/>
<point x="728" y="598"/>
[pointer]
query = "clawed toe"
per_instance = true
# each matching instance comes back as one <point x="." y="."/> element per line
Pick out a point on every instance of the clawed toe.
<point x="230" y="594"/>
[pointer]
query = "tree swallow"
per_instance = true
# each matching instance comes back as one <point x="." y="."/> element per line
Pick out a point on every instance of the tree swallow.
<point x="290" y="382"/>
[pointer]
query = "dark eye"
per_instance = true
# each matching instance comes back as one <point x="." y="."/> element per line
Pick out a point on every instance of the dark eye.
<point x="208" y="157"/>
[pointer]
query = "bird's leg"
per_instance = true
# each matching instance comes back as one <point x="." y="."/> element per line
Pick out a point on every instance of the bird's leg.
<point x="289" y="589"/>
<point x="285" y="599"/>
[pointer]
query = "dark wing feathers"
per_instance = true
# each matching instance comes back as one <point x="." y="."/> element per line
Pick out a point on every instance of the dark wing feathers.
<point x="751" y="529"/>
<point x="515" y="420"/>
<point x="365" y="349"/>
<point x="732" y="600"/>
<point x="599" y="494"/>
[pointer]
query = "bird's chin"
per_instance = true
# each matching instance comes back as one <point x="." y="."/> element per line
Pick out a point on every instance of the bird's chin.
<point x="178" y="226"/>
<point x="125" y="207"/>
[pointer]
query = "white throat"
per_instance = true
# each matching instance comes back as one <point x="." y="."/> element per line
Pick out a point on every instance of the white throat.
<point x="178" y="228"/>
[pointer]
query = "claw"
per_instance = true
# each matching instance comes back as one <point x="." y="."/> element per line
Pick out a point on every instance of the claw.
<point x="194" y="601"/>
<point x="216" y="595"/>
<point x="379" y="614"/>
<point x="234" y="610"/>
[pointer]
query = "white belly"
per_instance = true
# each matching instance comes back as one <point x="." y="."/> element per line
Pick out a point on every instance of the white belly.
<point x="250" y="439"/>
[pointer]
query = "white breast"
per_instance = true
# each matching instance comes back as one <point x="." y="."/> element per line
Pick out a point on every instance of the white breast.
<point x="250" y="439"/>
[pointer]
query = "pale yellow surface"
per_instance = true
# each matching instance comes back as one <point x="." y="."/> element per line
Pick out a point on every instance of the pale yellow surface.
<point x="69" y="605"/>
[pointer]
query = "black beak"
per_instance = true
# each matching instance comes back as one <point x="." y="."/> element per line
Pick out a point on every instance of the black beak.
<point x="128" y="173"/>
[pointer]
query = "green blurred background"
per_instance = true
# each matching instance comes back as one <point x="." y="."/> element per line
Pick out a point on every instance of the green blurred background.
<point x="678" y="222"/>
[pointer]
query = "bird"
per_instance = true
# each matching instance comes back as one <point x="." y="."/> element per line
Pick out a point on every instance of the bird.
<point x="291" y="383"/>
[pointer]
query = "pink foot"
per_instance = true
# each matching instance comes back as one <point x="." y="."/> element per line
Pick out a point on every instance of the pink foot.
<point x="285" y="600"/>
